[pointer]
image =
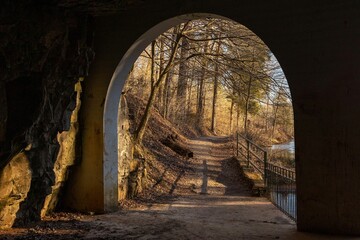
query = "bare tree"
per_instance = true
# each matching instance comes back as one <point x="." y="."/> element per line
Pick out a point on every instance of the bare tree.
<point x="155" y="83"/>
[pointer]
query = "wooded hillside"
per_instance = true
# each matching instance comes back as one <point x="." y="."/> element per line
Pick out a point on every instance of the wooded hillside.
<point x="215" y="76"/>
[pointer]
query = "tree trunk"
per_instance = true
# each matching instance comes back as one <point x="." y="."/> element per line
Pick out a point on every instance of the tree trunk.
<point x="274" y="123"/>
<point x="166" y="98"/>
<point x="231" y="115"/>
<point x="139" y="133"/>
<point x="215" y="93"/>
<point x="161" y="87"/>
<point x="200" y="102"/>
<point x="247" y="103"/>
<point x="144" y="120"/>
<point x="237" y="118"/>
<point x="182" y="81"/>
<point x="155" y="84"/>
<point x="201" y="93"/>
<point x="267" y="115"/>
<point x="188" y="105"/>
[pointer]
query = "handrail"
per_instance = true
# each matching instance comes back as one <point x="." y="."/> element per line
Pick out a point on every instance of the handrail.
<point x="277" y="179"/>
<point x="250" y="152"/>
<point x="257" y="168"/>
<point x="250" y="141"/>
<point x="255" y="155"/>
<point x="292" y="172"/>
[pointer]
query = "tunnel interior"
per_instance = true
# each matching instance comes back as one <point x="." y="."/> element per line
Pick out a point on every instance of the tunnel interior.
<point x="22" y="105"/>
<point x="317" y="47"/>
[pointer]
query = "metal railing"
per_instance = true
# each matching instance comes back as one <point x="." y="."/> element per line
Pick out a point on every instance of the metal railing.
<point x="280" y="182"/>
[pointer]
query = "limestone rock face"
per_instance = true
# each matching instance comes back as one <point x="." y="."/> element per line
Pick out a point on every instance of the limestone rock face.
<point x="137" y="174"/>
<point x="15" y="180"/>
<point x="132" y="164"/>
<point x="65" y="158"/>
<point x="45" y="50"/>
<point x="124" y="148"/>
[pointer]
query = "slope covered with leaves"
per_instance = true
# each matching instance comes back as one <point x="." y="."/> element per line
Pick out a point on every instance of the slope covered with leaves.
<point x="164" y="166"/>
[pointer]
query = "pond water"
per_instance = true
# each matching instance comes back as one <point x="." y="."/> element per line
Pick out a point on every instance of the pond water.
<point x="289" y="146"/>
<point x="284" y="197"/>
<point x="285" y="201"/>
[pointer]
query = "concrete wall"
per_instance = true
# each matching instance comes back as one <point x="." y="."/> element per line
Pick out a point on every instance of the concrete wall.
<point x="317" y="45"/>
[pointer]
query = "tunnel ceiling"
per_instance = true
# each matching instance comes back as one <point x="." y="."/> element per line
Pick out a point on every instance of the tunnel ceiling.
<point x="94" y="7"/>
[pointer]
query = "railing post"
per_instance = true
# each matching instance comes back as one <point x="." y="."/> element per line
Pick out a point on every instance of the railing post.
<point x="265" y="167"/>
<point x="248" y="152"/>
<point x="237" y="144"/>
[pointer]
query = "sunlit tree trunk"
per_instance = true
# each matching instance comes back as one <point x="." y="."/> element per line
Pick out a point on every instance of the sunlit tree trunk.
<point x="155" y="83"/>
<point x="166" y="93"/>
<point x="182" y="80"/>
<point x="267" y="115"/>
<point x="248" y="97"/>
<point x="161" y="87"/>
<point x="201" y="93"/>
<point x="215" y="93"/>
<point x="274" y="123"/>
<point x="200" y="101"/>
<point x="189" y="97"/>
<point x="231" y="115"/>
<point x="247" y="104"/>
<point x="237" y="118"/>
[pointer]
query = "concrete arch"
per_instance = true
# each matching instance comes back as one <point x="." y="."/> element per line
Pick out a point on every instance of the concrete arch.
<point x="318" y="47"/>
<point x="112" y="102"/>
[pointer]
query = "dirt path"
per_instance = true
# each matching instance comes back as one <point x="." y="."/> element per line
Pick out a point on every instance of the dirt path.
<point x="219" y="206"/>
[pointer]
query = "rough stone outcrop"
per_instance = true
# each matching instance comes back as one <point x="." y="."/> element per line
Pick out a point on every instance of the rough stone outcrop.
<point x="124" y="148"/>
<point x="44" y="50"/>
<point x="15" y="181"/>
<point x="65" y="158"/>
<point x="131" y="167"/>
<point x="137" y="171"/>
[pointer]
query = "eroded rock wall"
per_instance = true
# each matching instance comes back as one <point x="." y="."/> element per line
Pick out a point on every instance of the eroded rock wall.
<point x="44" y="50"/>
<point x="66" y="156"/>
<point x="15" y="182"/>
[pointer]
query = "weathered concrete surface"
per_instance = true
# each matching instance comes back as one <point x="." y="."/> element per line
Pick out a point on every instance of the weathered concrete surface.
<point x="15" y="181"/>
<point x="85" y="190"/>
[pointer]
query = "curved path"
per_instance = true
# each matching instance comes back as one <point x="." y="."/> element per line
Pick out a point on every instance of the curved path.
<point x="219" y="208"/>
